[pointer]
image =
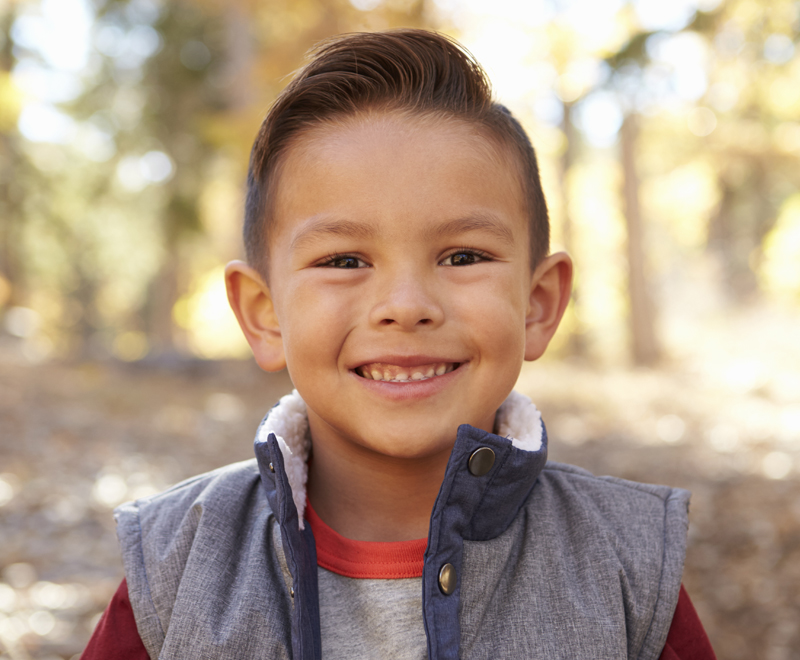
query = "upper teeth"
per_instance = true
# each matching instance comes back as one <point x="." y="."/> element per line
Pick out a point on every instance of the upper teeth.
<point x="391" y="372"/>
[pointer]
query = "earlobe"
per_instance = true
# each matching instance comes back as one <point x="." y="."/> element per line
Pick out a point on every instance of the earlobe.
<point x="251" y="302"/>
<point x="551" y="285"/>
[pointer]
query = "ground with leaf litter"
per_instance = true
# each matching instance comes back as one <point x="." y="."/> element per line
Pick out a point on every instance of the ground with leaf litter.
<point x="78" y="439"/>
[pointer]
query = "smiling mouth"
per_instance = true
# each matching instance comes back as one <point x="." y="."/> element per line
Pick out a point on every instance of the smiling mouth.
<point x="395" y="374"/>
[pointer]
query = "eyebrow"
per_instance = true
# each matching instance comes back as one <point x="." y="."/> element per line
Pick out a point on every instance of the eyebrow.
<point x="321" y="227"/>
<point x="478" y="222"/>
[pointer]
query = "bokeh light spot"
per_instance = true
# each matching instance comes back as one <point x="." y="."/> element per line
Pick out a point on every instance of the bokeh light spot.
<point x="701" y="122"/>
<point x="777" y="465"/>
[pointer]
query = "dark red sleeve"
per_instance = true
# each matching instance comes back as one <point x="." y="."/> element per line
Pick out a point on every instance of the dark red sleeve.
<point x="687" y="640"/>
<point x="116" y="636"/>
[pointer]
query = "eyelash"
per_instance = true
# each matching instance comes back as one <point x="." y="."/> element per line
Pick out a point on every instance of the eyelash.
<point x="480" y="255"/>
<point x="332" y="258"/>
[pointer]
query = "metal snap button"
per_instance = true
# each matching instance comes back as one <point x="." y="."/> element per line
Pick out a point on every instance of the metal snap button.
<point x="291" y="591"/>
<point x="447" y="579"/>
<point x="271" y="467"/>
<point x="481" y="461"/>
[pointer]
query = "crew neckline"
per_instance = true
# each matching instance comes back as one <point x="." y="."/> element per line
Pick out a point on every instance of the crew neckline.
<point x="365" y="559"/>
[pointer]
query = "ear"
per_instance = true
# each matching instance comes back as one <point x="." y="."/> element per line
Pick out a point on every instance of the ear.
<point x="251" y="301"/>
<point x="551" y="285"/>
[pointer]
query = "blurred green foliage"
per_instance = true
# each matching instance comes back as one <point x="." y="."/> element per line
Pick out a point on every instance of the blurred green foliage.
<point x="125" y="127"/>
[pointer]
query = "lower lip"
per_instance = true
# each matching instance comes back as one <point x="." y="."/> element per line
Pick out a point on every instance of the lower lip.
<point x="411" y="389"/>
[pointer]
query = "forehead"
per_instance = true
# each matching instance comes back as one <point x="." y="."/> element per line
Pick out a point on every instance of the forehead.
<point x="397" y="172"/>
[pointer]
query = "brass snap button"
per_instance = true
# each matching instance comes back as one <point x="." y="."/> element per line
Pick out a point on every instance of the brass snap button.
<point x="481" y="461"/>
<point x="291" y="591"/>
<point x="271" y="467"/>
<point x="447" y="579"/>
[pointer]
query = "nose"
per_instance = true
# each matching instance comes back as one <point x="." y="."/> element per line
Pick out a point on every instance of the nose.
<point x="407" y="302"/>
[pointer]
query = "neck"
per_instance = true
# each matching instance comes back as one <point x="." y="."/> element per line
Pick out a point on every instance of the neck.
<point x="369" y="496"/>
<point x="382" y="498"/>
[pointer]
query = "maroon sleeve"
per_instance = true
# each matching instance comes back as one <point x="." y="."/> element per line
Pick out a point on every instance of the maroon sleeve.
<point x="116" y="636"/>
<point x="687" y="640"/>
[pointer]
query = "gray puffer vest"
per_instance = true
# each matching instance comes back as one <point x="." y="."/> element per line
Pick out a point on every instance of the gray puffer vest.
<point x="548" y="560"/>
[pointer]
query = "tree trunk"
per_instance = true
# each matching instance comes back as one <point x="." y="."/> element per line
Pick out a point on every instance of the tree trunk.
<point x="576" y="344"/>
<point x="736" y="232"/>
<point x="644" y="341"/>
<point x="239" y="58"/>
<point x="161" y="300"/>
<point x="11" y="261"/>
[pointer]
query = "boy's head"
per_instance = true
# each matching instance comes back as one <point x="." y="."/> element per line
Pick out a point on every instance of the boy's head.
<point x="412" y="72"/>
<point x="402" y="231"/>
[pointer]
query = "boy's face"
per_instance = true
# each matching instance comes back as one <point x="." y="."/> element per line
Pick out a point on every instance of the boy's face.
<point x="402" y="299"/>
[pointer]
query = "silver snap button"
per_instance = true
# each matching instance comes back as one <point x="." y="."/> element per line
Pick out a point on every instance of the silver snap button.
<point x="271" y="467"/>
<point x="481" y="461"/>
<point x="447" y="579"/>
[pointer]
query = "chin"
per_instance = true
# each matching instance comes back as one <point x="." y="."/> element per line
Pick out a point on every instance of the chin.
<point x="401" y="448"/>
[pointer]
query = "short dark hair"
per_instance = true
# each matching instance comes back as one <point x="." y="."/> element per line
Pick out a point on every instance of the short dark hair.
<point x="410" y="70"/>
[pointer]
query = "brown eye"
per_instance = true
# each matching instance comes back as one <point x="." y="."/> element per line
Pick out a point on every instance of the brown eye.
<point x="345" y="262"/>
<point x="462" y="259"/>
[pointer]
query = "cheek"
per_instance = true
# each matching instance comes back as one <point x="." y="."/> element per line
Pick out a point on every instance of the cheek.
<point x="315" y="324"/>
<point x="502" y="342"/>
<point x="496" y="308"/>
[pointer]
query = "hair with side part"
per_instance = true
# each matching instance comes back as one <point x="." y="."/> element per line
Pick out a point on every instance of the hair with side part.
<point x="409" y="70"/>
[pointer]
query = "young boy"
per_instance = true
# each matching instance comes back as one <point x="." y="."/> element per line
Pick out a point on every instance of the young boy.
<point x="400" y="504"/>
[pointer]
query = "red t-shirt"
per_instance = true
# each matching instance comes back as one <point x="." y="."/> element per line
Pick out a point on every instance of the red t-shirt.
<point x="116" y="636"/>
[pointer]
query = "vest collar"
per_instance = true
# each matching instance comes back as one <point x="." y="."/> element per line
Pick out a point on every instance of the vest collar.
<point x="520" y="445"/>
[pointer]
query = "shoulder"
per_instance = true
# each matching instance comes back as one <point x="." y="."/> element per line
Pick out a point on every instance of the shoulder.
<point x="214" y="492"/>
<point x="611" y="497"/>
<point x="195" y="528"/>
<point x="590" y="567"/>
<point x="631" y="534"/>
<point x="211" y="504"/>
<point x="643" y="525"/>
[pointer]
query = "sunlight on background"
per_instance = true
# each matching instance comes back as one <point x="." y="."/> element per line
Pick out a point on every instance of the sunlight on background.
<point x="542" y="57"/>
<point x="781" y="270"/>
<point x="208" y="319"/>
<point x="61" y="35"/>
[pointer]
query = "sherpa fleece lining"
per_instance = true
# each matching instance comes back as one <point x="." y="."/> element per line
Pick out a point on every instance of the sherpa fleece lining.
<point x="518" y="419"/>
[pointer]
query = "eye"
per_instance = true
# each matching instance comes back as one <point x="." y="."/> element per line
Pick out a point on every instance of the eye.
<point x="343" y="261"/>
<point x="464" y="258"/>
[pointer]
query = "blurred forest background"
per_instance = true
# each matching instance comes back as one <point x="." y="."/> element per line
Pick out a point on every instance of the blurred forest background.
<point x="669" y="140"/>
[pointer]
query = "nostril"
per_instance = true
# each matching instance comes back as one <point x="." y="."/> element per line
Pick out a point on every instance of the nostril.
<point x="420" y="322"/>
<point x="406" y="312"/>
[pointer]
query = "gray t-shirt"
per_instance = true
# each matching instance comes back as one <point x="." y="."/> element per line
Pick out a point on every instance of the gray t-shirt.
<point x="364" y="617"/>
<point x="369" y="618"/>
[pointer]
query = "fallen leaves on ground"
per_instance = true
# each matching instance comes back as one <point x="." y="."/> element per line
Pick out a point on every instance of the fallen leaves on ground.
<point x="78" y="439"/>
